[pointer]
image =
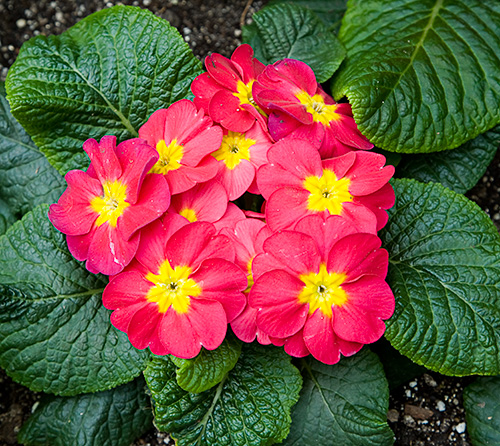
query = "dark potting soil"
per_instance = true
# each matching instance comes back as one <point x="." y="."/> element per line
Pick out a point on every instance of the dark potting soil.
<point x="427" y="410"/>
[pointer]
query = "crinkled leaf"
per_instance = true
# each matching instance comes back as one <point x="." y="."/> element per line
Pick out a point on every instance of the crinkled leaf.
<point x="104" y="76"/>
<point x="111" y="418"/>
<point x="250" y="407"/>
<point x="55" y="334"/>
<point x="459" y="169"/>
<point x="482" y="411"/>
<point x="444" y="269"/>
<point x="6" y="217"/>
<point x="26" y="177"/>
<point x="209" y="367"/>
<point x="329" y="11"/>
<point x="347" y="402"/>
<point x="290" y="31"/>
<point x="421" y="75"/>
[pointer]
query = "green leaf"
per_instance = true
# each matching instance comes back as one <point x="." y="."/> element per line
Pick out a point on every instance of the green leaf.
<point x="111" y="418"/>
<point x="289" y="31"/>
<point x="6" y="217"/>
<point x="209" y="367"/>
<point x="444" y="269"/>
<point x="482" y="411"/>
<point x="421" y="75"/>
<point x="26" y="177"/>
<point x="459" y="169"/>
<point x="55" y="335"/>
<point x="347" y="402"/>
<point x="329" y="11"/>
<point x="250" y="407"/>
<point x="104" y="76"/>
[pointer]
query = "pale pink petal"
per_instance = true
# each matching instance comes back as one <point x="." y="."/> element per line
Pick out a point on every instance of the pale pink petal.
<point x="236" y="181"/>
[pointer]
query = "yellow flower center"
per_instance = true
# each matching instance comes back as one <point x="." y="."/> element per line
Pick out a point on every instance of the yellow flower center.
<point x="244" y="94"/>
<point x="323" y="290"/>
<point x="189" y="214"/>
<point x="320" y="111"/>
<point x="173" y="288"/>
<point x="111" y="205"/>
<point x="327" y="192"/>
<point x="170" y="157"/>
<point x="249" y="276"/>
<point x="234" y="148"/>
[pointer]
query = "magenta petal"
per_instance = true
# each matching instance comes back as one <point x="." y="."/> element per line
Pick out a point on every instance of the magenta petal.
<point x="369" y="300"/>
<point x="222" y="70"/>
<point x="346" y="130"/>
<point x="275" y="295"/>
<point x="296" y="156"/>
<point x="340" y="165"/>
<point x="103" y="158"/>
<point x="224" y="282"/>
<point x="151" y="252"/>
<point x="201" y="145"/>
<point x="281" y="124"/>
<point x="72" y="214"/>
<point x="204" y="87"/>
<point x="245" y="326"/>
<point x="320" y="338"/>
<point x="143" y="326"/>
<point x="226" y="109"/>
<point x="126" y="289"/>
<point x="208" y="320"/>
<point x="108" y="252"/>
<point x="78" y="245"/>
<point x="295" y="345"/>
<point x="286" y="207"/>
<point x="294" y="252"/>
<point x="154" y="128"/>
<point x="186" y="177"/>
<point x="271" y="177"/>
<point x="153" y="201"/>
<point x="350" y="252"/>
<point x="121" y="317"/>
<point x="196" y="242"/>
<point x="360" y="217"/>
<point x="177" y="335"/>
<point x="244" y="58"/>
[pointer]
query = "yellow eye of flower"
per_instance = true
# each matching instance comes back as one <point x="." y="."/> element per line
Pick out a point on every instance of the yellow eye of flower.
<point x="234" y="148"/>
<point x="244" y="94"/>
<point x="170" y="157"/>
<point x="327" y="192"/>
<point x="173" y="288"/>
<point x="323" y="290"/>
<point x="320" y="111"/>
<point x="111" y="205"/>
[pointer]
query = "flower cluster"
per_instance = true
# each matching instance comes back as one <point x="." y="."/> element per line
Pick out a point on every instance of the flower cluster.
<point x="155" y="214"/>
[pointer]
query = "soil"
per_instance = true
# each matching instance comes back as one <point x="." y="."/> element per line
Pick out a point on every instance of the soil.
<point x="427" y="410"/>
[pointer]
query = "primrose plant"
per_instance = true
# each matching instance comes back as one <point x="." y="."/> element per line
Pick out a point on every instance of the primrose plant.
<point x="224" y="244"/>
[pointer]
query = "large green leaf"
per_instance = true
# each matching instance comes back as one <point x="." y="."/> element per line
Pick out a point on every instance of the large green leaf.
<point x="444" y="269"/>
<point x="250" y="407"/>
<point x="290" y="31"/>
<point x="6" y="216"/>
<point x="209" y="367"/>
<point x="459" y="169"/>
<point x="347" y="402"/>
<point x="26" y="177"/>
<point x="329" y="11"/>
<point x="111" y="418"/>
<point x="55" y="335"/>
<point x="482" y="411"/>
<point x="104" y="76"/>
<point x="421" y="75"/>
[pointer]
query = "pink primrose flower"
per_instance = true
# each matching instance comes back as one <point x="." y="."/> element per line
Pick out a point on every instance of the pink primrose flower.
<point x="226" y="90"/>
<point x="239" y="157"/>
<point x="322" y="290"/>
<point x="248" y="237"/>
<point x="296" y="183"/>
<point x="184" y="138"/>
<point x="299" y="108"/>
<point x="103" y="209"/>
<point x="180" y="292"/>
